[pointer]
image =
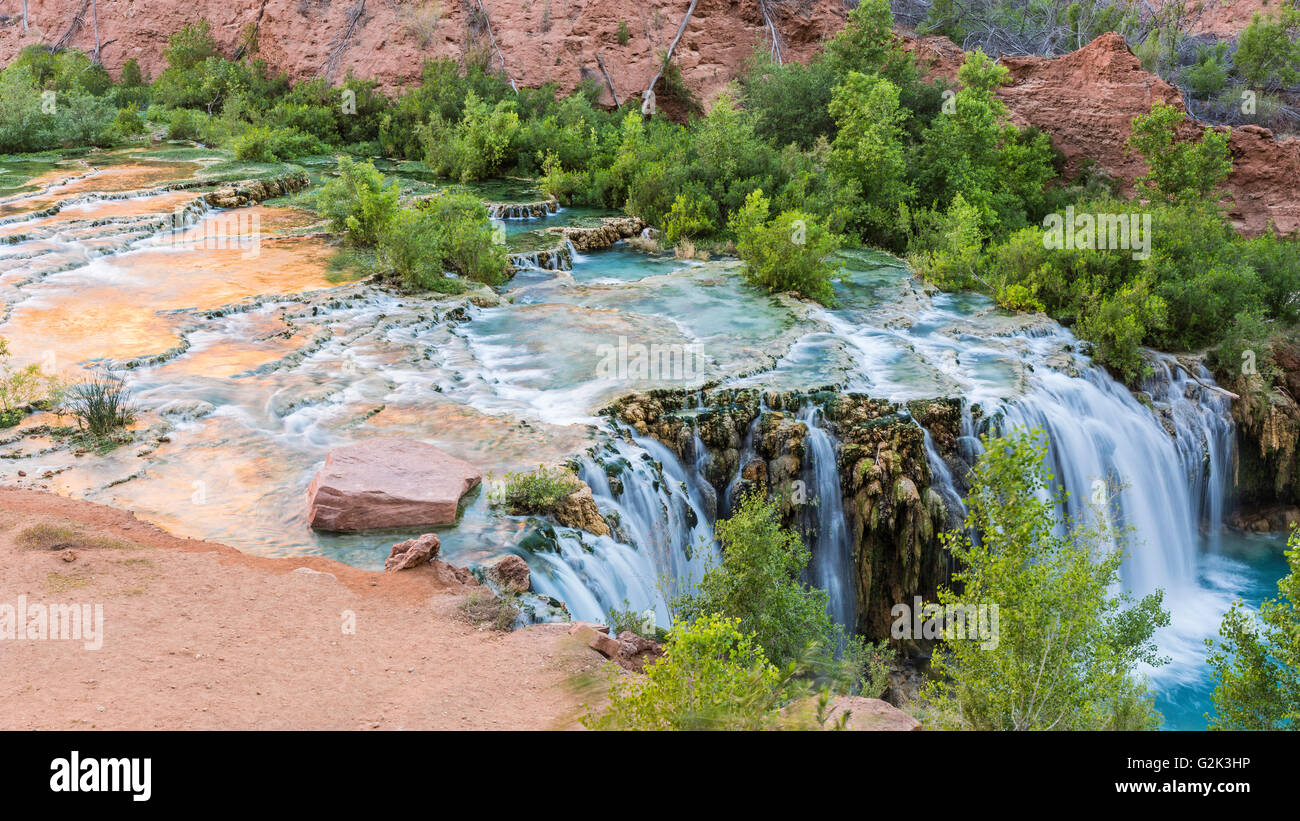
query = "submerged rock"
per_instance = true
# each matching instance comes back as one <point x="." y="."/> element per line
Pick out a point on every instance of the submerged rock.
<point x="388" y="482"/>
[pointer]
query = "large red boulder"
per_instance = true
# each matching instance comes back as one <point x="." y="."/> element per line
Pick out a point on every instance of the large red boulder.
<point x="387" y="482"/>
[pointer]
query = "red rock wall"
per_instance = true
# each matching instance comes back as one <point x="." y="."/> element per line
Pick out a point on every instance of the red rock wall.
<point x="541" y="40"/>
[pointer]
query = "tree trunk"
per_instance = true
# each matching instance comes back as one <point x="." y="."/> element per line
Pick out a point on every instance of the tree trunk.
<point x="668" y="58"/>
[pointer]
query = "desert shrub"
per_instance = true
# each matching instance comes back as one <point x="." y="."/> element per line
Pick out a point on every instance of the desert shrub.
<point x="21" y="387"/>
<point x="787" y="253"/>
<point x="1268" y="52"/>
<point x="359" y="201"/>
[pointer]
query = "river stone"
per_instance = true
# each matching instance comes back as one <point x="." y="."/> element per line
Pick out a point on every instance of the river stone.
<point x="388" y="482"/>
<point x="412" y="553"/>
<point x="510" y="573"/>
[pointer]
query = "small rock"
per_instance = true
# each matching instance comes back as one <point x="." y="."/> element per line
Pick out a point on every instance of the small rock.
<point x="412" y="553"/>
<point x="510" y="573"/>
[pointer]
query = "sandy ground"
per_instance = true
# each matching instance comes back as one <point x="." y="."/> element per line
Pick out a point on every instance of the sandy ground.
<point x="200" y="636"/>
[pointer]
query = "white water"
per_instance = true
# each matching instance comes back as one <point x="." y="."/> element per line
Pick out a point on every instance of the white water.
<point x="825" y="528"/>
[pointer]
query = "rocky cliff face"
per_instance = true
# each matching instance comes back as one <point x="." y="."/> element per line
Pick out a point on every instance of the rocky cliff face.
<point x="1086" y="101"/>
<point x="755" y="442"/>
<point x="539" y="41"/>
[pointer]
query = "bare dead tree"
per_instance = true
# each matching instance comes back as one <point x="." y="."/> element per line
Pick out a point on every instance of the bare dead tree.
<point x="354" y="19"/>
<point x="772" y="31"/>
<point x="24" y="16"/>
<point x="668" y="58"/>
<point x="608" y="81"/>
<point x="487" y="23"/>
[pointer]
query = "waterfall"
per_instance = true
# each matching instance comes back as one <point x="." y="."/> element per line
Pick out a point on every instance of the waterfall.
<point x="662" y="542"/>
<point x="822" y="522"/>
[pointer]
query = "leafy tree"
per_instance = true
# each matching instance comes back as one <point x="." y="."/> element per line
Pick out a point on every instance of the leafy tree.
<point x="974" y="151"/>
<point x="787" y="253"/>
<point x="759" y="583"/>
<point x="1268" y="52"/>
<point x="869" y="148"/>
<point x="1257" y="659"/>
<point x="1066" y="645"/>
<point x="1179" y="171"/>
<point x="358" y="201"/>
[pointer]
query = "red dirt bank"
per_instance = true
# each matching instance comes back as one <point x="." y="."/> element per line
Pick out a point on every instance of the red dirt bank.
<point x="200" y="636"/>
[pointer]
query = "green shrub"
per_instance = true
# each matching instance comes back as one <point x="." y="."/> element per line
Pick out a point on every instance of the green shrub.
<point x="449" y="234"/>
<point x="688" y="218"/>
<point x="759" y="583"/>
<point x="261" y="144"/>
<point x="186" y="124"/>
<point x="712" y="676"/>
<point x="537" y="492"/>
<point x="474" y="148"/>
<point x="358" y="201"/>
<point x="27" y="123"/>
<point x="787" y="253"/>
<point x="624" y="33"/>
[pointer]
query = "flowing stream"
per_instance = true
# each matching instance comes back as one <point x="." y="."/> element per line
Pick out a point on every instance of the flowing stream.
<point x="249" y="362"/>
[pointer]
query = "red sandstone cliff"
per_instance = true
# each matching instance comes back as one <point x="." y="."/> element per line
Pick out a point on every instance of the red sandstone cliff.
<point x="540" y="40"/>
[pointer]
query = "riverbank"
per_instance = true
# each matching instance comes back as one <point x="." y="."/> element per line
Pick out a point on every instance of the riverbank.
<point x="197" y="635"/>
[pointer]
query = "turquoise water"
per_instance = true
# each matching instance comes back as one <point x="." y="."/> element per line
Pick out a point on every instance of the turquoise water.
<point x="1241" y="566"/>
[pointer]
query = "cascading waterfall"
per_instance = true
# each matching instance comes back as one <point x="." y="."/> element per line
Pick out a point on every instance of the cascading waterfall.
<point x="663" y="539"/>
<point x="823" y="524"/>
<point x="1160" y="473"/>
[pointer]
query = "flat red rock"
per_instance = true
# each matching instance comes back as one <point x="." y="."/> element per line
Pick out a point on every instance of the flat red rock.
<point x="388" y="482"/>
